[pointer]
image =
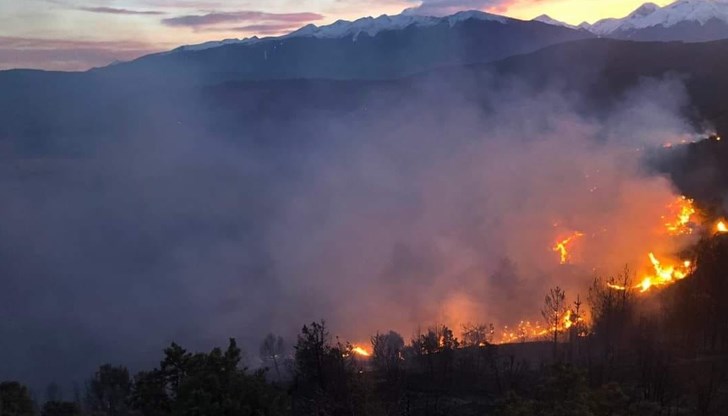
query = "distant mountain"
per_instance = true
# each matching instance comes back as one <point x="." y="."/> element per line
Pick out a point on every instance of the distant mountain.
<point x="544" y="18"/>
<point x="683" y="20"/>
<point x="369" y="48"/>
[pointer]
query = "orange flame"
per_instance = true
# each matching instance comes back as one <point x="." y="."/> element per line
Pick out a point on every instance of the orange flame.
<point x="561" y="247"/>
<point x="683" y="209"/>
<point x="528" y="331"/>
<point x="663" y="274"/>
<point x="357" y="350"/>
<point x="721" y="227"/>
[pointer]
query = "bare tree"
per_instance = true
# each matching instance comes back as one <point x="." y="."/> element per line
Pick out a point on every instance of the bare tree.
<point x="610" y="302"/>
<point x="553" y="311"/>
<point x="477" y="335"/>
<point x="271" y="352"/>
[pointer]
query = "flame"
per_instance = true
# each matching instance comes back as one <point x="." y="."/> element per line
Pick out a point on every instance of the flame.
<point x="664" y="273"/>
<point x="566" y="320"/>
<point x="529" y="331"/>
<point x="357" y="350"/>
<point x="721" y="227"/>
<point x="616" y="287"/>
<point x="561" y="247"/>
<point x="683" y="210"/>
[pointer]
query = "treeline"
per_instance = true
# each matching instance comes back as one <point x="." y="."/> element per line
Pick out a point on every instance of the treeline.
<point x="663" y="354"/>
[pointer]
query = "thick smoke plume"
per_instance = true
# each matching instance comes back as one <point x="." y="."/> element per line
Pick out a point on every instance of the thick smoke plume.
<point x="396" y="215"/>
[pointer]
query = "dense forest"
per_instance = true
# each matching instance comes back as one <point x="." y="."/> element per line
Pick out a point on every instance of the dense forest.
<point x="663" y="354"/>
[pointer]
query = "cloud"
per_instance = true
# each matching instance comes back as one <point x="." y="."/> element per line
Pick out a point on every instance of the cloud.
<point x="448" y="7"/>
<point x="112" y="10"/>
<point x="241" y="16"/>
<point x="66" y="55"/>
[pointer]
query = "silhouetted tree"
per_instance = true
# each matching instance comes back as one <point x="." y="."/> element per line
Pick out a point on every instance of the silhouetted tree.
<point x="611" y="303"/>
<point x="53" y="393"/>
<point x="387" y="354"/>
<point x="15" y="400"/>
<point x="201" y="384"/>
<point x="553" y="312"/>
<point x="272" y="350"/>
<point x="477" y="335"/>
<point x="108" y="391"/>
<point x="59" y="408"/>
<point x="151" y="394"/>
<point x="327" y="378"/>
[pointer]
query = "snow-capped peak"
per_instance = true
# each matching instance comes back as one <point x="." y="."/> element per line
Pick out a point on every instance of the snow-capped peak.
<point x="369" y="25"/>
<point x="650" y="15"/>
<point x="544" y="18"/>
<point x="216" y="43"/>
<point x="372" y="26"/>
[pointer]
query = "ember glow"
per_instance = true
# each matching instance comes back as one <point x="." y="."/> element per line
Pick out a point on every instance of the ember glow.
<point x="721" y="227"/>
<point x="562" y="247"/>
<point x="683" y="210"/>
<point x="535" y="331"/>
<point x="360" y="351"/>
<point x="666" y="271"/>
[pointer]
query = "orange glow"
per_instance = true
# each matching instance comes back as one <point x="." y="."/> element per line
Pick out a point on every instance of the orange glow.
<point x="682" y="211"/>
<point x="529" y="331"/>
<point x="572" y="11"/>
<point x="360" y="351"/>
<point x="664" y="273"/>
<point x="562" y="247"/>
<point x="721" y="227"/>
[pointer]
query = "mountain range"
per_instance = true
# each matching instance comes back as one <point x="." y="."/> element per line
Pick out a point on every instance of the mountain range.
<point x="369" y="48"/>
<point x="683" y="20"/>
<point x="396" y="46"/>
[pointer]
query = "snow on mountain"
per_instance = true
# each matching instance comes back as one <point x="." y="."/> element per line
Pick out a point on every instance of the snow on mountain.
<point x="372" y="26"/>
<point x="544" y="18"/>
<point x="369" y="25"/>
<point x="651" y="15"/>
<point x="216" y="43"/>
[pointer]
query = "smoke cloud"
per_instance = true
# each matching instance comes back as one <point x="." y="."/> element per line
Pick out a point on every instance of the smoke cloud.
<point x="395" y="215"/>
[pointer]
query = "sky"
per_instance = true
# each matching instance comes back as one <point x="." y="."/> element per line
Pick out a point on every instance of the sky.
<point x="80" y="34"/>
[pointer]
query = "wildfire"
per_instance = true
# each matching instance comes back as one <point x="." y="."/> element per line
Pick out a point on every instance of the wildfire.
<point x="684" y="209"/>
<point x="360" y="351"/>
<point x="529" y="331"/>
<point x="721" y="227"/>
<point x="562" y="247"/>
<point x="663" y="274"/>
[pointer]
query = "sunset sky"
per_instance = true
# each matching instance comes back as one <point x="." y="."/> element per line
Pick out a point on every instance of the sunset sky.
<point x="79" y="34"/>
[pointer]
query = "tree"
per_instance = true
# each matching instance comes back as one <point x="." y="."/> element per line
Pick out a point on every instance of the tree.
<point x="60" y="408"/>
<point x="214" y="383"/>
<point x="108" y="391"/>
<point x="477" y="335"/>
<point x="15" y="400"/>
<point x="272" y="351"/>
<point x="611" y="302"/>
<point x="327" y="378"/>
<point x="53" y="393"/>
<point x="553" y="311"/>
<point x="387" y="353"/>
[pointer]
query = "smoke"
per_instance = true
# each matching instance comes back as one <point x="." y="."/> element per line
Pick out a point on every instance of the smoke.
<point x="451" y="216"/>
<point x="407" y="212"/>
